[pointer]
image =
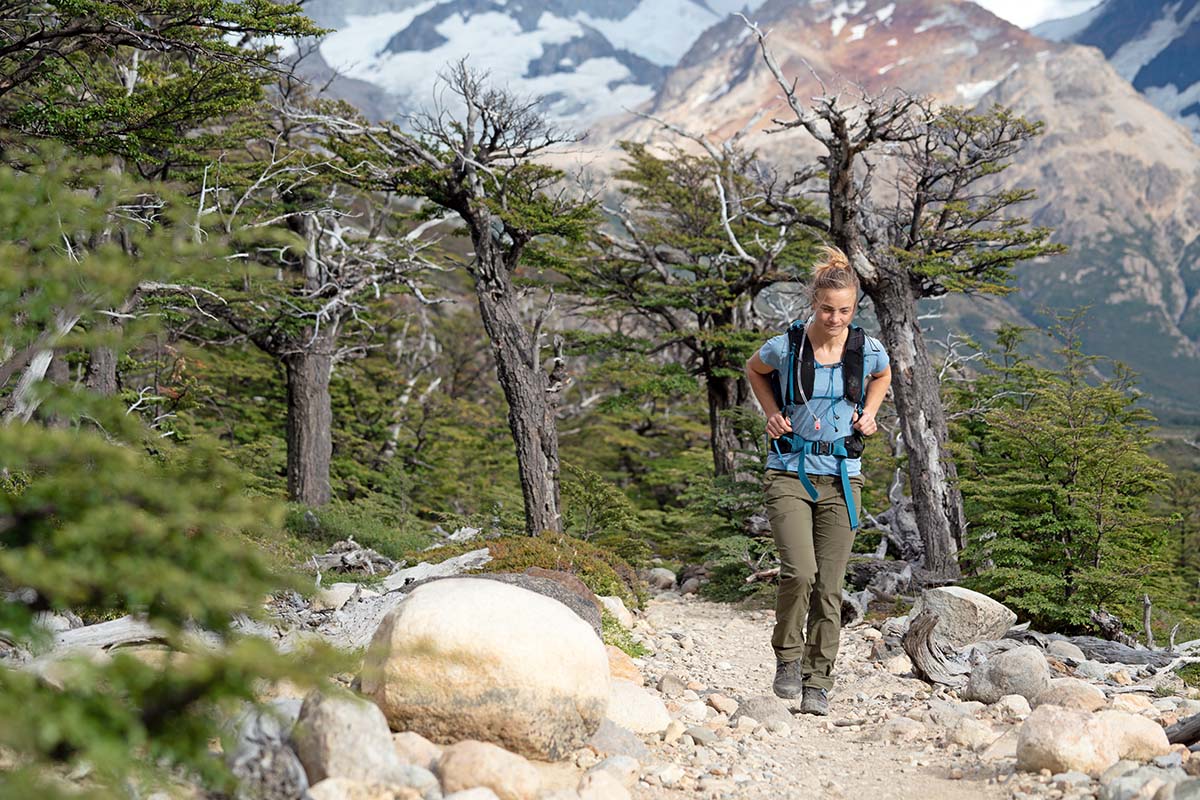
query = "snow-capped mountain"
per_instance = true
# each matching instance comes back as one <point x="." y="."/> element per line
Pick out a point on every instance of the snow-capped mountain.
<point x="587" y="58"/>
<point x="1154" y="44"/>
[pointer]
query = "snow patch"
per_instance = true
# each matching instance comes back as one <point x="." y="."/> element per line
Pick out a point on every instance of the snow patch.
<point x="893" y="42"/>
<point x="351" y="48"/>
<point x="967" y="49"/>
<point x="972" y="93"/>
<point x="885" y="13"/>
<point x="842" y="12"/>
<point x="1060" y="30"/>
<point x="950" y="15"/>
<point x="1169" y="99"/>
<point x="1136" y="54"/>
<point x="857" y="32"/>
<point x="661" y="31"/>
<point x="889" y="67"/>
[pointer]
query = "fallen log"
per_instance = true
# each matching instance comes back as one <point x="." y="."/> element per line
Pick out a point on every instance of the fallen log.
<point x="933" y="661"/>
<point x="1186" y="731"/>
<point x="451" y="566"/>
<point x="351" y="557"/>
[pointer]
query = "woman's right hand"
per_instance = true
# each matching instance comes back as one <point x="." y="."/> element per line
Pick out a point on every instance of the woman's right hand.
<point x="778" y="425"/>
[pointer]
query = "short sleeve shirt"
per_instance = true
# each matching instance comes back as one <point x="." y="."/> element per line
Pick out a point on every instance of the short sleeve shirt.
<point x="827" y="406"/>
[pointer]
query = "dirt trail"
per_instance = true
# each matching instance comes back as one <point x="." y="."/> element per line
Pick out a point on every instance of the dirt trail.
<point x="728" y="650"/>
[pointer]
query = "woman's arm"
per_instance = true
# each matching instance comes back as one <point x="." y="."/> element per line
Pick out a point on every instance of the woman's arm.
<point x="876" y="391"/>
<point x="760" y="384"/>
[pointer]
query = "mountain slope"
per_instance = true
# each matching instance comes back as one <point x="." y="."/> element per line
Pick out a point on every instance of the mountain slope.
<point x="1154" y="44"/>
<point x="586" y="58"/>
<point x="1115" y="177"/>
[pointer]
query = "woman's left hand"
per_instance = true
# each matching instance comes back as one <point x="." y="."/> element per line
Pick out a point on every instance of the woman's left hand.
<point x="865" y="422"/>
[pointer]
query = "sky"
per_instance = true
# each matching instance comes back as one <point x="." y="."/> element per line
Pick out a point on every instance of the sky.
<point x="1027" y="13"/>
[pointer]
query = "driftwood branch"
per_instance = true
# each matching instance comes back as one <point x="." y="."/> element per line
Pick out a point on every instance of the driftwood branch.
<point x="931" y="659"/>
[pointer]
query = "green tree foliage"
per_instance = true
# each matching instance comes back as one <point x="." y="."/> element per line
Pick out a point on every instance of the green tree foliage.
<point x="129" y="78"/>
<point x="1058" y="486"/>
<point x="105" y="518"/>
<point x="680" y="284"/>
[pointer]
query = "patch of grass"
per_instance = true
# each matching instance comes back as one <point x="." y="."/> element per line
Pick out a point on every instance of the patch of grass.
<point x="1190" y="675"/>
<point x="614" y="633"/>
<point x="377" y="528"/>
<point x="601" y="570"/>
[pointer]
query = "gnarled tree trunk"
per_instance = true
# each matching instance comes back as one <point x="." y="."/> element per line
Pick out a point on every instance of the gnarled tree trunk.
<point x="526" y="384"/>
<point x="932" y="476"/>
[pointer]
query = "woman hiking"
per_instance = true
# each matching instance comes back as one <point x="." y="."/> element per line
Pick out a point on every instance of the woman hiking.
<point x="820" y="384"/>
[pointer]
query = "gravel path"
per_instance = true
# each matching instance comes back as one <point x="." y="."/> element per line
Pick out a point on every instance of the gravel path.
<point x="723" y="649"/>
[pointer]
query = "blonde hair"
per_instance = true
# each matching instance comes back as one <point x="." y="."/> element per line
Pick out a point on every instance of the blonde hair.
<point x="833" y="272"/>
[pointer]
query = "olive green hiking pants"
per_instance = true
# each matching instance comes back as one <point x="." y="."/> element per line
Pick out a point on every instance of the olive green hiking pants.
<point x="814" y="539"/>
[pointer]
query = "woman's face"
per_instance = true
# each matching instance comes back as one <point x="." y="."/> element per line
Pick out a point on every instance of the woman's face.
<point x="834" y="310"/>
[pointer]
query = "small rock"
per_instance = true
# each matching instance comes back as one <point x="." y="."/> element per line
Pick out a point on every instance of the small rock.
<point x="1120" y="676"/>
<point x="971" y="733"/>
<point x="1172" y="759"/>
<point x="902" y="729"/>
<point x="1013" y="706"/>
<point x="690" y="586"/>
<point x="1070" y="780"/>
<point x="413" y="748"/>
<point x="1072" y="693"/>
<point x="1091" y="670"/>
<point x="695" y="711"/>
<point x="779" y="727"/>
<point x="674" y="730"/>
<point x="484" y="793"/>
<point x="764" y="708"/>
<point x="616" y="607"/>
<point x="623" y="768"/>
<point x="621" y="666"/>
<point x="745" y="723"/>
<point x="670" y="775"/>
<point x="723" y="704"/>
<point x="898" y="664"/>
<point x="702" y="735"/>
<point x="342" y="736"/>
<point x="671" y="685"/>
<point x="612" y="739"/>
<point x="1022" y="670"/>
<point x="601" y="786"/>
<point x="333" y="597"/>
<point x="347" y="789"/>
<point x="467" y="764"/>
<point x="1064" y="649"/>
<point x="635" y="709"/>
<point x="1130" y="702"/>
<point x="660" y="579"/>
<point x="871" y="634"/>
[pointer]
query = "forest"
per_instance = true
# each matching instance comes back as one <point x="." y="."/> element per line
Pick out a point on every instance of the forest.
<point x="241" y="323"/>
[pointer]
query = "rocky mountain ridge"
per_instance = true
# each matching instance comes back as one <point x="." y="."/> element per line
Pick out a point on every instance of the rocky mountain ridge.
<point x="1154" y="44"/>
<point x="585" y="58"/>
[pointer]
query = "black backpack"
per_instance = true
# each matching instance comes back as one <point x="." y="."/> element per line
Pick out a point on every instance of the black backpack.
<point x="802" y="367"/>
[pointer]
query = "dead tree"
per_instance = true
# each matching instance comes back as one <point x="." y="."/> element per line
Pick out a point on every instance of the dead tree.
<point x="476" y="162"/>
<point x="944" y="226"/>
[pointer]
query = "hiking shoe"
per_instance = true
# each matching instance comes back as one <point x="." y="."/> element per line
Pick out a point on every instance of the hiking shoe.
<point x="816" y="701"/>
<point x="789" y="680"/>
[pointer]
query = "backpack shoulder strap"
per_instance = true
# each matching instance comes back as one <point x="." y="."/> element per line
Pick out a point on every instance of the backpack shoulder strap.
<point x="801" y="365"/>
<point x="854" y="363"/>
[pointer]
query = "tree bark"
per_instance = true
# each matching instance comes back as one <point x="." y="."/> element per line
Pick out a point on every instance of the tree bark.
<point x="725" y="393"/>
<point x="101" y="376"/>
<point x="310" y="420"/>
<point x="526" y="385"/>
<point x="932" y="476"/>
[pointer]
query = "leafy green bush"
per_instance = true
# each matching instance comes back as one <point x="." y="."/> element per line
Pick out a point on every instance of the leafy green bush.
<point x="603" y="571"/>
<point x="614" y="633"/>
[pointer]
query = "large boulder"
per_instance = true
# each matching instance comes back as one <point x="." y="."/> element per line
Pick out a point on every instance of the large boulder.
<point x="1022" y="670"/>
<point x="480" y="659"/>
<point x="1061" y="740"/>
<point x="964" y="616"/>
<point x="561" y="586"/>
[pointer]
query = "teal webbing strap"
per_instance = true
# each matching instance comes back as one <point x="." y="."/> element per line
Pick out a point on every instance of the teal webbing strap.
<point x="848" y="493"/>
<point x="803" y="476"/>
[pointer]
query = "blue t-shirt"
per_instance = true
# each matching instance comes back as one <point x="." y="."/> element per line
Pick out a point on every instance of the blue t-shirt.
<point x="826" y="404"/>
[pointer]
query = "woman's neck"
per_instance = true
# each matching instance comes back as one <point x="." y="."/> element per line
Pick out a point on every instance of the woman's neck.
<point x="821" y="340"/>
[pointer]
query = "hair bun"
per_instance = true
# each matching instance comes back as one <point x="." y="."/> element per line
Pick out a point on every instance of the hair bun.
<point x="834" y="259"/>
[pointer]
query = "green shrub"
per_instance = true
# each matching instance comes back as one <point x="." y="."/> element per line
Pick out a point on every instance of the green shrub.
<point x="614" y="633"/>
<point x="601" y="570"/>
